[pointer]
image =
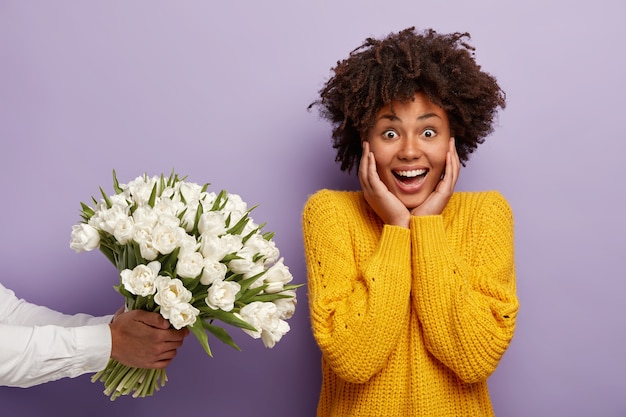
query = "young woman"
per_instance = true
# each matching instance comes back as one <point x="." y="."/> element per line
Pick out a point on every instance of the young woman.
<point x="411" y="284"/>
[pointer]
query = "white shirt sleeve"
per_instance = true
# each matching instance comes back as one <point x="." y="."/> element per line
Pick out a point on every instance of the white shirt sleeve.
<point x="38" y="344"/>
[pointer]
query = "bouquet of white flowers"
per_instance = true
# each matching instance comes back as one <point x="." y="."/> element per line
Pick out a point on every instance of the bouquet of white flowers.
<point x="194" y="256"/>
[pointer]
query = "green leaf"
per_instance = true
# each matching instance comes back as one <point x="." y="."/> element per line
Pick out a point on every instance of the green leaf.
<point x="268" y="297"/>
<point x="130" y="304"/>
<point x="230" y="257"/>
<point x="245" y="283"/>
<point x="127" y="294"/>
<point x="150" y="304"/>
<point x="253" y="232"/>
<point x="168" y="263"/>
<point x="192" y="283"/>
<point x="122" y="259"/>
<point x="108" y="252"/>
<point x="198" y="330"/>
<point x="162" y="183"/>
<point x="217" y="204"/>
<point x="244" y="296"/>
<point x="131" y="259"/>
<point x="225" y="317"/>
<point x="107" y="200"/>
<point x="87" y="212"/>
<point x="241" y="224"/>
<point x="171" y="180"/>
<point x="181" y="215"/>
<point x="137" y="254"/>
<point x="141" y="303"/>
<point x="194" y="231"/>
<point x="231" y="276"/>
<point x="153" y="195"/>
<point x="116" y="184"/>
<point x="292" y="287"/>
<point x="221" y="334"/>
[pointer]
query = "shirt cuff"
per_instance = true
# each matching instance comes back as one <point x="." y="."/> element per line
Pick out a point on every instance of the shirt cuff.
<point x="94" y="347"/>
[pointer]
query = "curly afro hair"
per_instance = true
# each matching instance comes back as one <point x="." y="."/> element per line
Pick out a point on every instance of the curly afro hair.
<point x="394" y="68"/>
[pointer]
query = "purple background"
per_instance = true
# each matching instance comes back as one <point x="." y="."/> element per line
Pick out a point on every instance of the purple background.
<point x="219" y="91"/>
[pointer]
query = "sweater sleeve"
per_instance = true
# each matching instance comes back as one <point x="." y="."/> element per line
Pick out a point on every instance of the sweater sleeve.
<point x="466" y="303"/>
<point x="357" y="311"/>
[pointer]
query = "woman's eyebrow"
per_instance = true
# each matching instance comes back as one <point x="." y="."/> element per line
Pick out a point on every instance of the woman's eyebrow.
<point x="389" y="116"/>
<point x="393" y="117"/>
<point x="428" y="116"/>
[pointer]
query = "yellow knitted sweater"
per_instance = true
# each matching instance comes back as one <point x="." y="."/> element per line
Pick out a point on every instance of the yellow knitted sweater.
<point x="410" y="322"/>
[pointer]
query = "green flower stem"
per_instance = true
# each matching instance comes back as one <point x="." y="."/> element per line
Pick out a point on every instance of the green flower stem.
<point x="114" y="380"/>
<point x="112" y="370"/>
<point x="127" y="384"/>
<point x="147" y="385"/>
<point x="121" y="380"/>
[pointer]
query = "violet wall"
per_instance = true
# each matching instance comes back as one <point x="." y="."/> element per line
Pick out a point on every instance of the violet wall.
<point x="219" y="92"/>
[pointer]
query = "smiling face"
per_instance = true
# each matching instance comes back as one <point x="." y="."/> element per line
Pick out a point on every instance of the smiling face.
<point x="410" y="146"/>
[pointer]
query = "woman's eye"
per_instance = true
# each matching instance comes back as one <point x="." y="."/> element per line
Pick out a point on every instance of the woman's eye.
<point x="390" y="134"/>
<point x="429" y="133"/>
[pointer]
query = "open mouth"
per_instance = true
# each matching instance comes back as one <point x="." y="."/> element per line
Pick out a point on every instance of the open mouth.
<point x="411" y="177"/>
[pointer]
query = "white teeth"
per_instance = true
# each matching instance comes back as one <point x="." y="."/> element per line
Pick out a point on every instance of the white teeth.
<point x="412" y="173"/>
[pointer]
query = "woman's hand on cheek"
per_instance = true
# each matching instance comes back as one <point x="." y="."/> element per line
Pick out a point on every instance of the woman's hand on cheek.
<point x="388" y="207"/>
<point x="437" y="200"/>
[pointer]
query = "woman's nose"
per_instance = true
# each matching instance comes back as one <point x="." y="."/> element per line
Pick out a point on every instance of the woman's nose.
<point x="409" y="149"/>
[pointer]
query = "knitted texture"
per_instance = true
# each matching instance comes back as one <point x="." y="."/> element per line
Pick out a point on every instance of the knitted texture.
<point x="410" y="322"/>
